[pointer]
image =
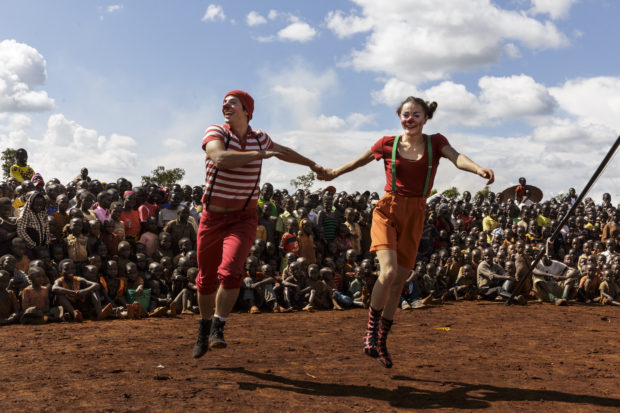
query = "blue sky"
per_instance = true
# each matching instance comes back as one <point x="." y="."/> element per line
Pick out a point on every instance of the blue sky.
<point x="525" y="87"/>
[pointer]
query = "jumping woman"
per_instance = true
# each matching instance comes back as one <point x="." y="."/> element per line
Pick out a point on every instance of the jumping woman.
<point x="410" y="162"/>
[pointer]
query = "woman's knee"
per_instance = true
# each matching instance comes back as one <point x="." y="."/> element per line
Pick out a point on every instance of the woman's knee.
<point x="389" y="274"/>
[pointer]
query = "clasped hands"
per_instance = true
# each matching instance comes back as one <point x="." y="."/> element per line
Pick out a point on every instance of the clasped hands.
<point x="324" y="174"/>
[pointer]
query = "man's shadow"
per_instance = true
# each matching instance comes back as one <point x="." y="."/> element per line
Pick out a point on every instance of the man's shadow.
<point x="460" y="396"/>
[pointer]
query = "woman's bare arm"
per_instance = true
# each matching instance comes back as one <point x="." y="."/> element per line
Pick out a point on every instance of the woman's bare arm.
<point x="351" y="166"/>
<point x="462" y="162"/>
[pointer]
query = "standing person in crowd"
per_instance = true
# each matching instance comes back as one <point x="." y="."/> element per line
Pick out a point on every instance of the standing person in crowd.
<point x="130" y="217"/>
<point x="20" y="169"/>
<point x="32" y="225"/>
<point x="410" y="166"/>
<point x="234" y="154"/>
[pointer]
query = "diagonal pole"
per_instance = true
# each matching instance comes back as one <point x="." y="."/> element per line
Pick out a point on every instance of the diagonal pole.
<point x="560" y="225"/>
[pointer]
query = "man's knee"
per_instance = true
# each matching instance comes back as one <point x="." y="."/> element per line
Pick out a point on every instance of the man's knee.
<point x="231" y="282"/>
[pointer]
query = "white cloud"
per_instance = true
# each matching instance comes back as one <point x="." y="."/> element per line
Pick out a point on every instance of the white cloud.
<point x="22" y="68"/>
<point x="174" y="144"/>
<point x="594" y="100"/>
<point x="512" y="50"/>
<point x="254" y="19"/>
<point x="67" y="146"/>
<point x="297" y="32"/>
<point x="515" y="97"/>
<point x="327" y="123"/>
<point x="345" y="26"/>
<point x="114" y="8"/>
<point x="355" y="120"/>
<point x="294" y="94"/>
<point x="434" y="39"/>
<point x="556" y="9"/>
<point x="500" y="99"/>
<point x="213" y="13"/>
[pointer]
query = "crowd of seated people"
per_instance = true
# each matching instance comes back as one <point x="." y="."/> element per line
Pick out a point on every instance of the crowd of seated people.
<point x="93" y="250"/>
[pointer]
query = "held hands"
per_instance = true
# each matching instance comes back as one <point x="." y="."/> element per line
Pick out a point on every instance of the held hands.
<point x="324" y="174"/>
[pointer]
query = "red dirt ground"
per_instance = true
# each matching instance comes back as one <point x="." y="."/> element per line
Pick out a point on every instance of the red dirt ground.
<point x="493" y="358"/>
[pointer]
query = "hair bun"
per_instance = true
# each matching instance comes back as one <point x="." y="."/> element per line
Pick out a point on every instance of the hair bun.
<point x="432" y="107"/>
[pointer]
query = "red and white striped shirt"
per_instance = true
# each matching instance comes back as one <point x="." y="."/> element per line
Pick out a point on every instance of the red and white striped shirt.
<point x="233" y="187"/>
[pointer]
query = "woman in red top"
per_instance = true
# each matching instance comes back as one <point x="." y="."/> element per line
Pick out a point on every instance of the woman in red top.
<point x="410" y="162"/>
<point x="234" y="154"/>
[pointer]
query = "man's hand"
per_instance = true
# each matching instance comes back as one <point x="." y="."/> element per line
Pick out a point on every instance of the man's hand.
<point x="487" y="174"/>
<point x="318" y="170"/>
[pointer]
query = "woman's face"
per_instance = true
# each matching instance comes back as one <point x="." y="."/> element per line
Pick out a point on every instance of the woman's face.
<point x="412" y="117"/>
<point x="232" y="109"/>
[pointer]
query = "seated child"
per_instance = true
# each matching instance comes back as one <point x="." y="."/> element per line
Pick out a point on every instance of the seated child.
<point x="9" y="304"/>
<point x="18" y="280"/>
<point x="135" y="289"/>
<point x="184" y="289"/>
<point x="161" y="304"/>
<point x="357" y="287"/>
<point x="259" y="287"/>
<point x="609" y="289"/>
<point x="36" y="300"/>
<point x="295" y="286"/>
<point x="588" y="284"/>
<point x="164" y="248"/>
<point x="319" y="297"/>
<point x="114" y="289"/>
<point x="77" y="295"/>
<point x="465" y="284"/>
<point x="338" y="299"/>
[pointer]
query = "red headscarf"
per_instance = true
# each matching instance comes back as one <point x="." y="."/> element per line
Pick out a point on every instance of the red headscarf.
<point x="246" y="100"/>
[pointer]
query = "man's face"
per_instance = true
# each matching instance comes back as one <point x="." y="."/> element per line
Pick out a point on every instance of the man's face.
<point x="183" y="214"/>
<point x="197" y="194"/>
<point x="75" y="226"/>
<point x="267" y="192"/>
<point x="488" y="255"/>
<point x="175" y="200"/>
<point x="22" y="158"/>
<point x="67" y="268"/>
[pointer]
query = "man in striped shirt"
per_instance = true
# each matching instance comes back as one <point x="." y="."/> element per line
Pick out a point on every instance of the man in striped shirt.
<point x="234" y="154"/>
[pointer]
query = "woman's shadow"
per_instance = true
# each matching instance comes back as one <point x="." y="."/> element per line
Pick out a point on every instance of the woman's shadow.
<point x="460" y="395"/>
